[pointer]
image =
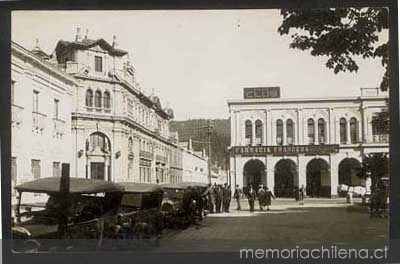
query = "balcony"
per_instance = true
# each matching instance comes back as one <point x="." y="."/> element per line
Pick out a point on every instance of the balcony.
<point x="163" y="159"/>
<point x="38" y="121"/>
<point x="247" y="141"/>
<point x="59" y="126"/>
<point x="258" y="141"/>
<point x="146" y="154"/>
<point x="16" y="116"/>
<point x="380" y="138"/>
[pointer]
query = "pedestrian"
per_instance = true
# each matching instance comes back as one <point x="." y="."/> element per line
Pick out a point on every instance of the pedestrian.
<point x="237" y="195"/>
<point x="208" y="194"/>
<point x="224" y="197"/>
<point x="251" y="196"/>
<point x="219" y="197"/>
<point x="228" y="198"/>
<point x="268" y="197"/>
<point x="187" y="204"/>
<point x="302" y="194"/>
<point x="261" y="197"/>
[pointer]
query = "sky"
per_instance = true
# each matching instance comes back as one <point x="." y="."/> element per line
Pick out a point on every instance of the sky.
<point x="195" y="60"/>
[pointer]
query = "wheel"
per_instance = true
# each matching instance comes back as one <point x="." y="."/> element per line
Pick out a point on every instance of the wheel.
<point x="30" y="246"/>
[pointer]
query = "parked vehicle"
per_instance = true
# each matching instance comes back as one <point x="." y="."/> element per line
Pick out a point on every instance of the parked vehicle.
<point x="72" y="220"/>
<point x="139" y="215"/>
<point x="179" y="203"/>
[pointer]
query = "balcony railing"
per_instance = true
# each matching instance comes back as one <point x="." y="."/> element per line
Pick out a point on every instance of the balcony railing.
<point x="59" y="126"/>
<point x="161" y="158"/>
<point x="258" y="141"/>
<point x="247" y="141"/>
<point x="16" y="116"/>
<point x="381" y="138"/>
<point x="38" y="121"/>
<point x="146" y="154"/>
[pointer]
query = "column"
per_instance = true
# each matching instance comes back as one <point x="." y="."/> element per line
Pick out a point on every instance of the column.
<point x="334" y="173"/>
<point x="264" y="129"/>
<point x="284" y="140"/>
<point x="348" y="131"/>
<point x="316" y="139"/>
<point x="268" y="128"/>
<point x="330" y="127"/>
<point x="359" y="132"/>
<point x="301" y="170"/>
<point x="300" y="124"/>
<point x="364" y="124"/>
<point x="270" y="173"/>
<point x="106" y="170"/>
<point x="233" y="127"/>
<point x="273" y="132"/>
<point x="253" y="133"/>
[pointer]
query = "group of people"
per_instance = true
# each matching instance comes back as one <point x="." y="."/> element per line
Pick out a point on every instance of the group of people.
<point x="218" y="198"/>
<point x="263" y="195"/>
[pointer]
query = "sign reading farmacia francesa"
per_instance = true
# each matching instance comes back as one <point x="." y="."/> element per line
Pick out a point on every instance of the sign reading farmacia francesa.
<point x="306" y="149"/>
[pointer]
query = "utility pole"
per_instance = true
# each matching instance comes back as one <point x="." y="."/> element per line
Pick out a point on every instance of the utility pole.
<point x="209" y="127"/>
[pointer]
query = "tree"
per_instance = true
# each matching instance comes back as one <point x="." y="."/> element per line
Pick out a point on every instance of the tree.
<point x="341" y="34"/>
<point x="376" y="165"/>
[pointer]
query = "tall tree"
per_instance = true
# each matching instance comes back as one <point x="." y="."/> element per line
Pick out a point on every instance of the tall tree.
<point x="341" y="34"/>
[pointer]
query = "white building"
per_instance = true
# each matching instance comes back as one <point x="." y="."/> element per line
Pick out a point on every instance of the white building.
<point x="319" y="143"/>
<point x="41" y="102"/>
<point x="194" y="164"/>
<point x="82" y="106"/>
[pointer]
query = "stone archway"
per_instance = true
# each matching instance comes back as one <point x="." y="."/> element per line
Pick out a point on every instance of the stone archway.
<point x="285" y="177"/>
<point x="318" y="181"/>
<point x="254" y="173"/>
<point x="98" y="153"/>
<point x="349" y="169"/>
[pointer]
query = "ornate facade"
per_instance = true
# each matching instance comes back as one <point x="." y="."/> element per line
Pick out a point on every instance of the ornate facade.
<point x="319" y="143"/>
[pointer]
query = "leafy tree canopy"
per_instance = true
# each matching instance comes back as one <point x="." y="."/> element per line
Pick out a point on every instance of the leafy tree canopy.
<point x="341" y="34"/>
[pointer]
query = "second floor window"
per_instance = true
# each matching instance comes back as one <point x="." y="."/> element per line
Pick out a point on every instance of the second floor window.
<point x="107" y="100"/>
<point x="97" y="99"/>
<point x="343" y="131"/>
<point x="353" y="130"/>
<point x="259" y="131"/>
<point x="35" y="167"/>
<point x="89" y="98"/>
<point x="321" y="131"/>
<point x="279" y="132"/>
<point x="98" y="63"/>
<point x="248" y="131"/>
<point x="56" y="108"/>
<point x="311" y="131"/>
<point x="35" y="107"/>
<point x="290" y="132"/>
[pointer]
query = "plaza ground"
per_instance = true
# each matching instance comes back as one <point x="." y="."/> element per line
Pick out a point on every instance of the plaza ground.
<point x="328" y="222"/>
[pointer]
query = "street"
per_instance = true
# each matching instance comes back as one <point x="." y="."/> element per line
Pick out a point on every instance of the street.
<point x="318" y="222"/>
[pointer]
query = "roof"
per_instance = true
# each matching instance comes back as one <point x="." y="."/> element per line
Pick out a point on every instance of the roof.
<point x="88" y="43"/>
<point x="77" y="185"/>
<point x="183" y="185"/>
<point x="133" y="187"/>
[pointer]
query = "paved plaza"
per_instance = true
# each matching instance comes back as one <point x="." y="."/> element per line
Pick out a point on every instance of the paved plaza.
<point x="329" y="222"/>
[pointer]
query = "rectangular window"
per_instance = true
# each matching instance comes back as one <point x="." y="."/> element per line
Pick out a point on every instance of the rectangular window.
<point x="35" y="107"/>
<point x="56" y="108"/>
<point x="35" y="166"/>
<point x="56" y="169"/>
<point x="98" y="63"/>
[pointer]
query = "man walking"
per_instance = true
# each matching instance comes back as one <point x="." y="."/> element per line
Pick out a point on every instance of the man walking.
<point x="302" y="194"/>
<point x="261" y="197"/>
<point x="237" y="194"/>
<point x="219" y="197"/>
<point x="228" y="194"/>
<point x="251" y="196"/>
<point x="268" y="197"/>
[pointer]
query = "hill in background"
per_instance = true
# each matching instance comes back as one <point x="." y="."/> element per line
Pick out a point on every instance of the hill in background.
<point x="197" y="131"/>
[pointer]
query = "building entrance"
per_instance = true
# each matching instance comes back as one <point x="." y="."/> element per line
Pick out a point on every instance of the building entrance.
<point x="254" y="173"/>
<point x="285" y="176"/>
<point x="318" y="179"/>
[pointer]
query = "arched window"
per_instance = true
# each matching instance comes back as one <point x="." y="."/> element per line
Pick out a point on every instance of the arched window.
<point x="97" y="99"/>
<point x="259" y="131"/>
<point x="353" y="130"/>
<point x="248" y="132"/>
<point x="107" y="100"/>
<point x="130" y="144"/>
<point x="290" y="132"/>
<point x="89" y="98"/>
<point x="99" y="140"/>
<point x="321" y="131"/>
<point x="343" y="131"/>
<point x="311" y="131"/>
<point x="279" y="132"/>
